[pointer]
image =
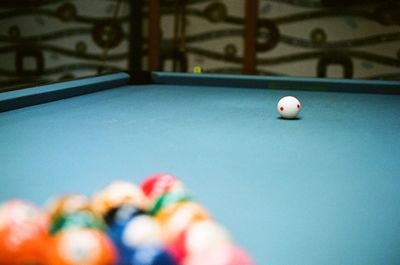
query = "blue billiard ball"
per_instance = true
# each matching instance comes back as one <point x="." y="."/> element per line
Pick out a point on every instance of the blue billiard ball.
<point x="148" y="255"/>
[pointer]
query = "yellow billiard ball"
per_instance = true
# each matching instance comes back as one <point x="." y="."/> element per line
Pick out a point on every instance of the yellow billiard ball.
<point x="117" y="193"/>
<point x="177" y="217"/>
<point x="197" y="70"/>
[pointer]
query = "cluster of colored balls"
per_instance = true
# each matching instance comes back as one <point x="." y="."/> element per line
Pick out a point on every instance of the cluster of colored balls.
<point x="156" y="223"/>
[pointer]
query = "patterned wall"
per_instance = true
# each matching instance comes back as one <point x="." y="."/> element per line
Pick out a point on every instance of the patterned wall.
<point x="45" y="41"/>
<point x="50" y="40"/>
<point x="297" y="37"/>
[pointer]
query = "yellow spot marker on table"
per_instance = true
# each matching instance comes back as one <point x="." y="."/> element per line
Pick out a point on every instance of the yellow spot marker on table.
<point x="197" y="70"/>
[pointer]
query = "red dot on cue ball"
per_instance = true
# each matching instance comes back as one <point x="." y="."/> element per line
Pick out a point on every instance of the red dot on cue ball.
<point x="281" y="108"/>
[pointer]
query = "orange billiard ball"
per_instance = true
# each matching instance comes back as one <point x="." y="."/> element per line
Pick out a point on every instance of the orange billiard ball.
<point x="23" y="233"/>
<point x="81" y="246"/>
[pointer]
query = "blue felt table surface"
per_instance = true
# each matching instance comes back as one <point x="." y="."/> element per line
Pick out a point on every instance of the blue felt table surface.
<point x="324" y="189"/>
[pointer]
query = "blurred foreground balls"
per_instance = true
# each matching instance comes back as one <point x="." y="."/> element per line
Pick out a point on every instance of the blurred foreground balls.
<point x="116" y="194"/>
<point x="168" y="199"/>
<point x="197" y="238"/>
<point x="225" y="254"/>
<point x="205" y="234"/>
<point x="175" y="218"/>
<point x="140" y="229"/>
<point x="149" y="255"/>
<point x="122" y="224"/>
<point x="67" y="204"/>
<point x="83" y="219"/>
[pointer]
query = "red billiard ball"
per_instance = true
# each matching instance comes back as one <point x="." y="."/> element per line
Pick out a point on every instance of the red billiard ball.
<point x="198" y="237"/>
<point x="224" y="254"/>
<point x="205" y="234"/>
<point x="156" y="185"/>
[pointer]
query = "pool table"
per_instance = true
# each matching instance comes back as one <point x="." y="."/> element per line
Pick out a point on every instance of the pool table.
<point x="320" y="189"/>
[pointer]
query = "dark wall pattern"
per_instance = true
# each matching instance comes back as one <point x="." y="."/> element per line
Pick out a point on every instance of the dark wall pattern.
<point x="342" y="39"/>
<point x="45" y="41"/>
<point x="51" y="40"/>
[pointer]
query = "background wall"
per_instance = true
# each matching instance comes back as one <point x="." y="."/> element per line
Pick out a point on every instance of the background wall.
<point x="56" y="40"/>
<point x="42" y="41"/>
<point x="297" y="37"/>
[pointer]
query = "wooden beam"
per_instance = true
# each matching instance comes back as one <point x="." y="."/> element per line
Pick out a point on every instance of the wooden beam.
<point x="136" y="36"/>
<point x="154" y="44"/>
<point x="250" y="37"/>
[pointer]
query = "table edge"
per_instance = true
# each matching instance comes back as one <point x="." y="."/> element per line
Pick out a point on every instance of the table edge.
<point x="16" y="99"/>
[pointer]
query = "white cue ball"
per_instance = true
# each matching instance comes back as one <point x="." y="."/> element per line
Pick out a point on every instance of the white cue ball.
<point x="288" y="107"/>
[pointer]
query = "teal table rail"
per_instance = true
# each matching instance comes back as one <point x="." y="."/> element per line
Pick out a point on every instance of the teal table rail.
<point x="25" y="97"/>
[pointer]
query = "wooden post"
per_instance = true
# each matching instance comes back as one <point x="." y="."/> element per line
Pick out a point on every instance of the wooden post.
<point x="250" y="37"/>
<point x="136" y="36"/>
<point x="154" y="44"/>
